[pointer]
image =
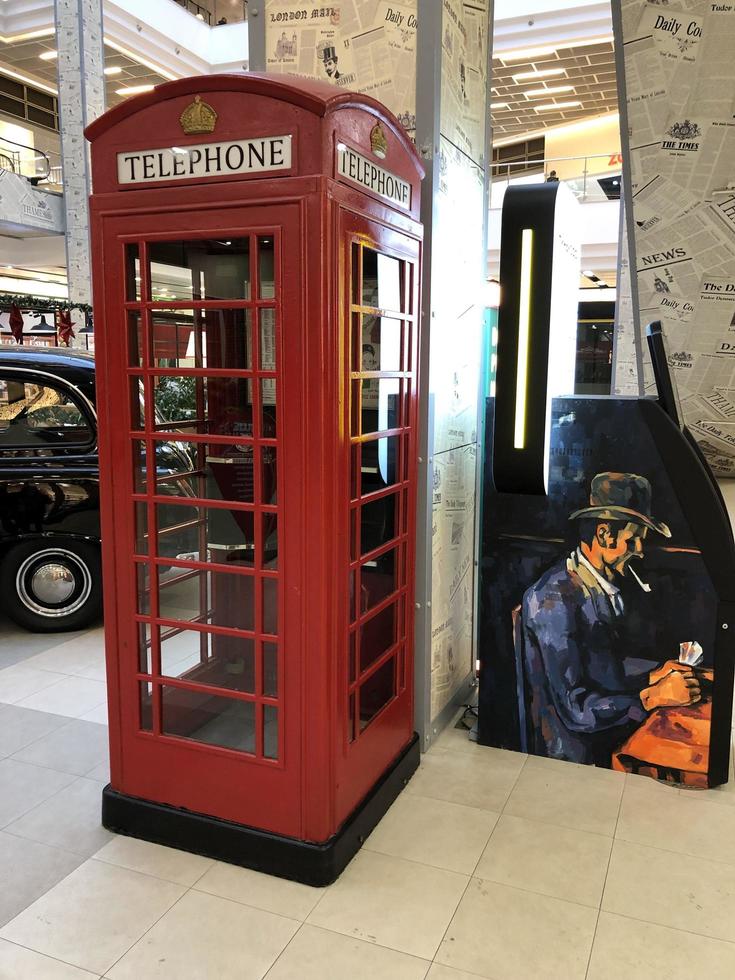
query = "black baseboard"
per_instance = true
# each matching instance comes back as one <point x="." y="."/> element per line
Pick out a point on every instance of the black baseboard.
<point x="286" y="857"/>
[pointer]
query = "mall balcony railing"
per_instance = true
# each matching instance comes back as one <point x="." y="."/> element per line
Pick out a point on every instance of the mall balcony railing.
<point x="39" y="167"/>
<point x="596" y="178"/>
<point x="217" y="12"/>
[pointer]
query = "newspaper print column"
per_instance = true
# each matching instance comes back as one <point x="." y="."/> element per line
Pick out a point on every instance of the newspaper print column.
<point x="81" y="99"/>
<point x="367" y="46"/>
<point x="681" y="132"/>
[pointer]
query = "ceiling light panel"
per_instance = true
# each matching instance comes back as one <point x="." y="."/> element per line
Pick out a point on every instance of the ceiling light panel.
<point x="534" y="93"/>
<point x="532" y="76"/>
<point x="547" y="107"/>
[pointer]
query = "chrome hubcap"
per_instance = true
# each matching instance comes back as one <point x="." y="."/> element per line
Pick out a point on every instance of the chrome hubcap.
<point x="53" y="582"/>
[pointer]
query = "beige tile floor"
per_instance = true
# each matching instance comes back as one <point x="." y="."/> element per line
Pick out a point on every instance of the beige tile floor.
<point x="490" y="865"/>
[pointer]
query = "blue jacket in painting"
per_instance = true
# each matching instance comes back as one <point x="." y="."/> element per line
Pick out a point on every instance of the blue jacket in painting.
<point x="581" y="668"/>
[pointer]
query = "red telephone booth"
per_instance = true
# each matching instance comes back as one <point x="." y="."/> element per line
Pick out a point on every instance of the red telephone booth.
<point x="257" y="263"/>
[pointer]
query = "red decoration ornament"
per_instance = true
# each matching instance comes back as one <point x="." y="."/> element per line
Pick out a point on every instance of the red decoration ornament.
<point x="15" y="321"/>
<point x="66" y="327"/>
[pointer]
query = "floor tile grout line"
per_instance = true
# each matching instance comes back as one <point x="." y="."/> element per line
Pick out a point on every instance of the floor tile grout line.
<point x="301" y="926"/>
<point x="452" y="917"/>
<point x="666" y="925"/>
<point x="48" y="956"/>
<point x="145" y="933"/>
<point x="604" y="884"/>
<point x="57" y="847"/>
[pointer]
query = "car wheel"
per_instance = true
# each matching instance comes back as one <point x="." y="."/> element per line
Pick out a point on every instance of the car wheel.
<point x="52" y="587"/>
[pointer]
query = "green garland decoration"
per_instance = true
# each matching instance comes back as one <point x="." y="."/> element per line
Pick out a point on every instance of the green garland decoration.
<point x="41" y="303"/>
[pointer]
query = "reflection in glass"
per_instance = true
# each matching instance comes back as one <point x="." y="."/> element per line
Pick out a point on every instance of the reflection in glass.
<point x="268" y="408"/>
<point x="199" y="716"/>
<point x="377" y="635"/>
<point x="380" y="404"/>
<point x="205" y="534"/>
<point x="145" y="657"/>
<point x="136" y="340"/>
<point x="270" y="605"/>
<point x="137" y="404"/>
<point x="270" y="541"/>
<point x="379" y="579"/>
<point x="200" y="269"/>
<point x="270" y="670"/>
<point x="380" y="463"/>
<point x="132" y="272"/>
<point x="204" y="406"/>
<point x="145" y="703"/>
<point x="381" y="343"/>
<point x="207" y="597"/>
<point x="141" y="528"/>
<point x="267" y="340"/>
<point x="266" y="268"/>
<point x="381" y="280"/>
<point x="269" y="474"/>
<point x="143" y="577"/>
<point x="209" y="659"/>
<point x="139" y="474"/>
<point x="270" y="731"/>
<point x="202" y="338"/>
<point x="376" y="692"/>
<point x="378" y="523"/>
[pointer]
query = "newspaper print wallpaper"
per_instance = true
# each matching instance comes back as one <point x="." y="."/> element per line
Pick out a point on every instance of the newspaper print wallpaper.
<point x="367" y="46"/>
<point x="681" y="131"/>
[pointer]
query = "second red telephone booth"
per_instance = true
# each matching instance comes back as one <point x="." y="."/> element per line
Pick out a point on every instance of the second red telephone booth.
<point x="256" y="262"/>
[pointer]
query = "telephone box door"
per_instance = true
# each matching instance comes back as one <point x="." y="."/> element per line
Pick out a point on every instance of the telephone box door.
<point x="205" y="535"/>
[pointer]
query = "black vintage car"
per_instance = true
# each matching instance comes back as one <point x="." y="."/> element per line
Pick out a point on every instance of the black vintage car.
<point x="50" y="569"/>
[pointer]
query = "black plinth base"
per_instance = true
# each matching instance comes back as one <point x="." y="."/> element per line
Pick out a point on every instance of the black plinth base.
<point x="286" y="857"/>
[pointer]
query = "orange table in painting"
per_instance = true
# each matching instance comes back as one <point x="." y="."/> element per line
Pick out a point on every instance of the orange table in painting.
<point x="672" y="744"/>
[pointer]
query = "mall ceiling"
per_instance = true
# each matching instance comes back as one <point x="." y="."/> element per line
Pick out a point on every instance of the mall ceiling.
<point x="25" y="58"/>
<point x="583" y="74"/>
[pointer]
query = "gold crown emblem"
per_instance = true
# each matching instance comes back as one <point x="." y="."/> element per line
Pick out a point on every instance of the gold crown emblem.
<point x="199" y="117"/>
<point x="378" y="141"/>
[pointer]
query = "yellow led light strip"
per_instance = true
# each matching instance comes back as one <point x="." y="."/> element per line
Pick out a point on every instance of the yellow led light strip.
<point x="524" y="329"/>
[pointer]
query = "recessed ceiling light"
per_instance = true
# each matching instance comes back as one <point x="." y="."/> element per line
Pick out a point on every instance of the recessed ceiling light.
<point x="28" y="81"/>
<point x="553" y="90"/>
<point x="557" y="105"/>
<point x="498" y="105"/>
<point x="113" y="70"/>
<point x="530" y="76"/>
<point x="134" y="90"/>
<point x="588" y="272"/>
<point x="49" y="55"/>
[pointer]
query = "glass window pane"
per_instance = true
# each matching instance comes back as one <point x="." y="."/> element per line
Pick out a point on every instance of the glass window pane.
<point x="269" y="474"/>
<point x="270" y="605"/>
<point x="146" y="705"/>
<point x="377" y="636"/>
<point x="355" y="272"/>
<point x="379" y="579"/>
<point x="270" y="670"/>
<point x="212" y="472"/>
<point x="199" y="716"/>
<point x="380" y="404"/>
<point x="132" y="272"/>
<point x="380" y="458"/>
<point x="381" y="343"/>
<point x="145" y="656"/>
<point x="270" y="542"/>
<point x="141" y="528"/>
<point x="218" y="406"/>
<point x="209" y="659"/>
<point x="266" y="268"/>
<point x="205" y="534"/>
<point x="137" y="403"/>
<point x="267" y="340"/>
<point x="206" y="597"/>
<point x="143" y="577"/>
<point x="40" y="416"/>
<point x="270" y="731"/>
<point x="204" y="268"/>
<point x="381" y="280"/>
<point x="376" y="692"/>
<point x="139" y="473"/>
<point x="268" y="428"/>
<point x="202" y="338"/>
<point x="136" y="340"/>
<point x="378" y="523"/>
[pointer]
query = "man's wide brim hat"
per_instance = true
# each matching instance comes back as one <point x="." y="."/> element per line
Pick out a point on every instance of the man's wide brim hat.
<point x="621" y="497"/>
